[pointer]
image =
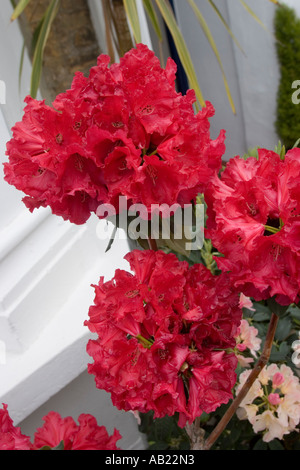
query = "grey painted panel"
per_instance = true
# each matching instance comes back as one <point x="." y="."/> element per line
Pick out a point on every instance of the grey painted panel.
<point x="253" y="76"/>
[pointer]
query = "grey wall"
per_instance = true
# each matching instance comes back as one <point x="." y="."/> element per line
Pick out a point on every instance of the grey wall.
<point x="253" y="76"/>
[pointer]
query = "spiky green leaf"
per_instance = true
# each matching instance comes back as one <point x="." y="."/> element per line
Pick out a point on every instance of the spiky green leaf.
<point x="19" y="9"/>
<point x="182" y="50"/>
<point x="133" y="17"/>
<point x="37" y="61"/>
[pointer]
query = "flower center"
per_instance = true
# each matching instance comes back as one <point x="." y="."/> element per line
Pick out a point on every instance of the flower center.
<point x="273" y="226"/>
<point x="147" y="343"/>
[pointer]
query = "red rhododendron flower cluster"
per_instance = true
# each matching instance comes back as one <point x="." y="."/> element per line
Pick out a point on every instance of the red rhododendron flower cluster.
<point x="254" y="221"/>
<point x="11" y="437"/>
<point x="163" y="330"/>
<point x="122" y="131"/>
<point x="86" y="435"/>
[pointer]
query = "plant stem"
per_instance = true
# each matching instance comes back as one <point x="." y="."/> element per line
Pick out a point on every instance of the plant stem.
<point x="196" y="435"/>
<point x="263" y="360"/>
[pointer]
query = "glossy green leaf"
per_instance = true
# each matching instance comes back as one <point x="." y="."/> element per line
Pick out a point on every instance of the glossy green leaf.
<point x="276" y="445"/>
<point x="276" y="308"/>
<point x="278" y="355"/>
<point x="153" y="17"/>
<point x="212" y="43"/>
<point x="182" y="50"/>
<point x="37" y="61"/>
<point x="19" y="9"/>
<point x="261" y="316"/>
<point x="283" y="329"/>
<point x="260" y="445"/>
<point x="133" y="17"/>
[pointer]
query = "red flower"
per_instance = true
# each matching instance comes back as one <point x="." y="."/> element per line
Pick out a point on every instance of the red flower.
<point x="254" y="221"/>
<point x="123" y="131"/>
<point x="86" y="435"/>
<point x="160" y="331"/>
<point x="11" y="437"/>
<point x="55" y="430"/>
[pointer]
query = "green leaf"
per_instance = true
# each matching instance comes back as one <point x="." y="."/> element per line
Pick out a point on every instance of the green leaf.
<point x="296" y="144"/>
<point x="281" y="150"/>
<point x="153" y="18"/>
<point x="281" y="354"/>
<point x="61" y="446"/>
<point x="260" y="307"/>
<point x="251" y="153"/>
<point x="261" y="316"/>
<point x="276" y="445"/>
<point x="204" y="417"/>
<point x="260" y="445"/>
<point x="276" y="308"/>
<point x="283" y="328"/>
<point x="37" y="61"/>
<point x="213" y="45"/>
<point x="19" y="9"/>
<point x="294" y="311"/>
<point x="159" y="446"/>
<point x="133" y="17"/>
<point x="163" y="429"/>
<point x="182" y="50"/>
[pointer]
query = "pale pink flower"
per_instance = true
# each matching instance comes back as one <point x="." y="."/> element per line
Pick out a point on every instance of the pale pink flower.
<point x="289" y="408"/>
<point x="247" y="339"/>
<point x="267" y="374"/>
<point x="244" y="361"/>
<point x="248" y="412"/>
<point x="137" y="416"/>
<point x="291" y="382"/>
<point x="270" y="424"/>
<point x="274" y="399"/>
<point x="245" y="302"/>
<point x="276" y="393"/>
<point x="255" y="391"/>
<point x="278" y="380"/>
